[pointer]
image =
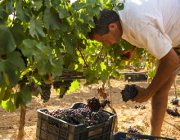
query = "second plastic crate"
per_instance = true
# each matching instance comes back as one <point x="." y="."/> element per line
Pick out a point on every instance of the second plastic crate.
<point x="124" y="136"/>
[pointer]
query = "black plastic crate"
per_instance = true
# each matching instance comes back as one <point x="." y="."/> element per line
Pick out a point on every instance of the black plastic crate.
<point x="125" y="135"/>
<point x="51" y="128"/>
<point x="135" y="77"/>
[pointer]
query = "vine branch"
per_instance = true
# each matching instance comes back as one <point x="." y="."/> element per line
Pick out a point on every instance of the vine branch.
<point x="83" y="57"/>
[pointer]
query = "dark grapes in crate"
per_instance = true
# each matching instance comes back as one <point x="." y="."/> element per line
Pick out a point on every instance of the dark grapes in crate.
<point x="173" y="112"/>
<point x="174" y="101"/>
<point x="80" y="116"/>
<point x="129" y="92"/>
<point x="94" y="104"/>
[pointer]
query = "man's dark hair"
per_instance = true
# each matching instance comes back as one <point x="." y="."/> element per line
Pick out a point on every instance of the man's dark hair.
<point x="101" y="25"/>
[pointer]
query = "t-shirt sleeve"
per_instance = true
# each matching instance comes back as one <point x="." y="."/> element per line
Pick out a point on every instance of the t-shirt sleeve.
<point x="154" y="41"/>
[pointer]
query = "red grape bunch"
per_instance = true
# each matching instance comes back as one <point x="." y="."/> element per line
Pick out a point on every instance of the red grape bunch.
<point x="173" y="112"/>
<point x="94" y="104"/>
<point x="32" y="86"/>
<point x="174" y="101"/>
<point x="139" y="106"/>
<point x="104" y="103"/>
<point x="45" y="91"/>
<point x="133" y="130"/>
<point x="129" y="92"/>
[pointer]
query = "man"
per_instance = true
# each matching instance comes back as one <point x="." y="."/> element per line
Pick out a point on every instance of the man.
<point x="150" y="24"/>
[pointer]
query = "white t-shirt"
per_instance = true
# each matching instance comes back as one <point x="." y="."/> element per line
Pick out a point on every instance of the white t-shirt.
<point x="152" y="24"/>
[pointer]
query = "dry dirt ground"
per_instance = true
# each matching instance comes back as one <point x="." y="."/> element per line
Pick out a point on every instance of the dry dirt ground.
<point x="127" y="114"/>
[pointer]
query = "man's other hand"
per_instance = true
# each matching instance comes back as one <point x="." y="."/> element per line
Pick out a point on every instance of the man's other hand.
<point x="142" y="96"/>
<point x="127" y="55"/>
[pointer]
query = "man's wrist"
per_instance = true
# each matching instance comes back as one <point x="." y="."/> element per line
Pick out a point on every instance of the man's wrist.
<point x="149" y="91"/>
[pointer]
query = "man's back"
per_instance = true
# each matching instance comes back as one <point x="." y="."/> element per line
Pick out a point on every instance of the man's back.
<point x="139" y="17"/>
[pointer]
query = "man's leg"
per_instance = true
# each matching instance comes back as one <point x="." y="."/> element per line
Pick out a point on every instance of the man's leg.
<point x="159" y="106"/>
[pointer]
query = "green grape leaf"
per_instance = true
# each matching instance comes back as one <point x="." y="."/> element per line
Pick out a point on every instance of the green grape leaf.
<point x="25" y="94"/>
<point x="71" y="67"/>
<point x="18" y="100"/>
<point x="63" y="26"/>
<point x="51" y="19"/>
<point x="151" y="74"/>
<point x="74" y="85"/>
<point x="36" y="28"/>
<point x="2" y="12"/>
<point x="59" y="67"/>
<point x="104" y="76"/>
<point x="17" y="32"/>
<point x="139" y="50"/>
<point x="55" y="34"/>
<point x="11" y="70"/>
<point x="1" y="76"/>
<point x="43" y="48"/>
<point x="9" y="37"/>
<point x="91" y="76"/>
<point x="119" y="7"/>
<point x="85" y="17"/>
<point x="47" y="3"/>
<point x="63" y="12"/>
<point x="8" y="105"/>
<point x="77" y="6"/>
<point x="2" y="92"/>
<point x="7" y="42"/>
<point x="36" y="93"/>
<point x="15" y="58"/>
<point x="9" y="7"/>
<point x="44" y="66"/>
<point x="29" y="47"/>
<point x="116" y="74"/>
<point x="36" y="4"/>
<point x="22" y="13"/>
<point x="9" y="91"/>
<point x="93" y="10"/>
<point x="6" y="78"/>
<point x="92" y="2"/>
<point x="103" y="66"/>
<point x="69" y="42"/>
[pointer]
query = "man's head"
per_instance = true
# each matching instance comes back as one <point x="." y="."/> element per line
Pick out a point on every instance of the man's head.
<point x="107" y="29"/>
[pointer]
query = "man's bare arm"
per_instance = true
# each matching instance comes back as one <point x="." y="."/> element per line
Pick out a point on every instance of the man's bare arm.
<point x="168" y="64"/>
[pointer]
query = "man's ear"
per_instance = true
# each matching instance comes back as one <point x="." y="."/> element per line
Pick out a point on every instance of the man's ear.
<point x="112" y="26"/>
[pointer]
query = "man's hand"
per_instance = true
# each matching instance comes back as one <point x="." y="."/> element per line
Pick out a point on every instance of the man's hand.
<point x="127" y="55"/>
<point x="142" y="96"/>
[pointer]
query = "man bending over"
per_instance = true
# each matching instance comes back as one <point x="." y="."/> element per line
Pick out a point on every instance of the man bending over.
<point x="150" y="24"/>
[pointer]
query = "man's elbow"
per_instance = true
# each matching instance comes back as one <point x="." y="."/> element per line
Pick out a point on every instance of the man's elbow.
<point x="171" y="59"/>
